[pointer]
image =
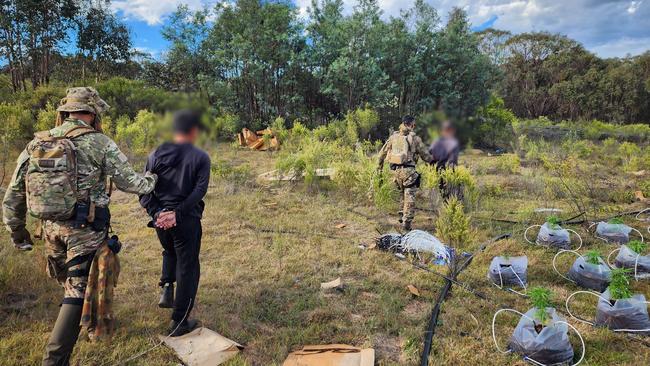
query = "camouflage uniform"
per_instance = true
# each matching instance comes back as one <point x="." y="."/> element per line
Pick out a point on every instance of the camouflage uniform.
<point x="70" y="249"/>
<point x="406" y="178"/>
<point x="98" y="157"/>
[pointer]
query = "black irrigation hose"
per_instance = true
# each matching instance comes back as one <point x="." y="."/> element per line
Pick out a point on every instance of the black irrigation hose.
<point x="576" y="222"/>
<point x="431" y="328"/>
<point x="433" y="321"/>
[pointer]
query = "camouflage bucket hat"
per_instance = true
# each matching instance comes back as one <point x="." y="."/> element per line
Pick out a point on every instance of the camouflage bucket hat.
<point x="83" y="99"/>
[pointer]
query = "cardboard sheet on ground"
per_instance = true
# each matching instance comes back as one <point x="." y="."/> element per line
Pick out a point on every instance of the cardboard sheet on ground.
<point x="331" y="355"/>
<point x="202" y="347"/>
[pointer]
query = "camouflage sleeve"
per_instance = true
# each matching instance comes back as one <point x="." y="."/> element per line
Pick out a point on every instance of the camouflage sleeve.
<point x="382" y="154"/>
<point x="14" y="205"/>
<point x="422" y="150"/>
<point x="116" y="166"/>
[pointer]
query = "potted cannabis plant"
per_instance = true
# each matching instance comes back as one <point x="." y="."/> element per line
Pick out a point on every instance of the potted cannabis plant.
<point x="542" y="334"/>
<point x="634" y="257"/>
<point x="620" y="309"/>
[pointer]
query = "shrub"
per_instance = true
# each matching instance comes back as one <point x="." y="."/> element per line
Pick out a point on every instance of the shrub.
<point x="143" y="133"/>
<point x="495" y="125"/>
<point x="46" y="118"/>
<point x="630" y="155"/>
<point x="452" y="225"/>
<point x="508" y="164"/>
<point x="224" y="126"/>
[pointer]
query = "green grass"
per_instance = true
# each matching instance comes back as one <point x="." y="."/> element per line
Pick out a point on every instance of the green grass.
<point x="261" y="288"/>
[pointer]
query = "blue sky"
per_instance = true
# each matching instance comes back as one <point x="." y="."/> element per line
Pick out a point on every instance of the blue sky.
<point x="609" y="28"/>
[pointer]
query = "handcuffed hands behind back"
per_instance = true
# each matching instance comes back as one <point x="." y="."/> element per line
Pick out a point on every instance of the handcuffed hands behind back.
<point x="166" y="220"/>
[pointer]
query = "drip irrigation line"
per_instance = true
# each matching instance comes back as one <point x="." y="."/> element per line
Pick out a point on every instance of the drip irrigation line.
<point x="455" y="271"/>
<point x="628" y="213"/>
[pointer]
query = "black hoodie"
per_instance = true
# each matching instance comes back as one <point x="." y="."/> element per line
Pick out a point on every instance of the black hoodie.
<point x="183" y="175"/>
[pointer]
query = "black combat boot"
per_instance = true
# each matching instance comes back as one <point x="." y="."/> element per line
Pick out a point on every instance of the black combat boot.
<point x="177" y="329"/>
<point x="63" y="337"/>
<point x="166" y="296"/>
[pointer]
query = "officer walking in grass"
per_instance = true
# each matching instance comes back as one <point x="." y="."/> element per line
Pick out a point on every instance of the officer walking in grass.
<point x="402" y="150"/>
<point x="61" y="179"/>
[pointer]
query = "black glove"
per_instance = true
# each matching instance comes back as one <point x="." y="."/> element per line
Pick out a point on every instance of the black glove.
<point x="22" y="240"/>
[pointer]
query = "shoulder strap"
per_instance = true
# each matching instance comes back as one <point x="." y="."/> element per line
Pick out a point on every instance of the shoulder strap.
<point x="79" y="131"/>
<point x="43" y="135"/>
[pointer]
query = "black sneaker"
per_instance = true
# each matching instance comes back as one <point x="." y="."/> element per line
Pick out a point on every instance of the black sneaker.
<point x="177" y="329"/>
<point x="167" y="296"/>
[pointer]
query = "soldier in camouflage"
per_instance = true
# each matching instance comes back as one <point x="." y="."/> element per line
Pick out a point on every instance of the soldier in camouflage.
<point x="402" y="151"/>
<point x="71" y="244"/>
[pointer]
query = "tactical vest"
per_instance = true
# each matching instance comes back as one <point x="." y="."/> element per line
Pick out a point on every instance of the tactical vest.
<point x="51" y="178"/>
<point x="400" y="149"/>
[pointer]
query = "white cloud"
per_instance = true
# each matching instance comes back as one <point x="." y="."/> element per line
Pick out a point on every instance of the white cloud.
<point x="623" y="47"/>
<point x="603" y="26"/>
<point x="151" y="11"/>
<point x="634" y="6"/>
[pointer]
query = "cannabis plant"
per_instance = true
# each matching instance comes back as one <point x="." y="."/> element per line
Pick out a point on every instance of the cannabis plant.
<point x="593" y="257"/>
<point x="637" y="246"/>
<point x="619" y="287"/>
<point x="615" y="221"/>
<point x="540" y="298"/>
<point x="553" y="222"/>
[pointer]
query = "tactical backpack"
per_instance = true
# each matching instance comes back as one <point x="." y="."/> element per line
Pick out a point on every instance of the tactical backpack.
<point x="400" y="151"/>
<point x="51" y="179"/>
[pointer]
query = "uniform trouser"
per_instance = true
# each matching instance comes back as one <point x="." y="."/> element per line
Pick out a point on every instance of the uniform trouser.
<point x="181" y="246"/>
<point x="70" y="253"/>
<point x="407" y="181"/>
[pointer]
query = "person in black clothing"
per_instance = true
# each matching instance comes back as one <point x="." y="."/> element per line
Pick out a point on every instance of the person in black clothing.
<point x="176" y="207"/>
<point x="445" y="151"/>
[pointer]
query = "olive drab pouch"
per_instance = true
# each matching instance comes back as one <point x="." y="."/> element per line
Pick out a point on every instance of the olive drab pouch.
<point x="51" y="179"/>
<point x="400" y="153"/>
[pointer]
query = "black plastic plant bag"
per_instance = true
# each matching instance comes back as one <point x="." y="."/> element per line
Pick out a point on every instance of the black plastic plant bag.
<point x="591" y="276"/>
<point x="549" y="347"/>
<point x="627" y="258"/>
<point x="614" y="233"/>
<point x="509" y="271"/>
<point x="626" y="314"/>
<point x="556" y="237"/>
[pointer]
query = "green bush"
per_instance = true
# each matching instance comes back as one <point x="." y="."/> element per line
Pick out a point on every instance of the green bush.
<point x="452" y="225"/>
<point x="508" y="164"/>
<point x="46" y="118"/>
<point x="495" y="125"/>
<point x="225" y="126"/>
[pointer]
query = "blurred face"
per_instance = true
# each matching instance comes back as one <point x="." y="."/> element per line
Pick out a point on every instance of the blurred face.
<point x="187" y="137"/>
<point x="448" y="132"/>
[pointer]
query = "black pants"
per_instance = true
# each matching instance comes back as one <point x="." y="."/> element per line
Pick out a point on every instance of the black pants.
<point x="180" y="264"/>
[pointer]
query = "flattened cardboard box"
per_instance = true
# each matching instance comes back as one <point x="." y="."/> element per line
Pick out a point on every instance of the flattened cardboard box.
<point x="331" y="355"/>
<point x="202" y="347"/>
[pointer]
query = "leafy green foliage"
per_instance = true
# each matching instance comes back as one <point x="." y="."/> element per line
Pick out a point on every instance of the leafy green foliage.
<point x="452" y="224"/>
<point x="637" y="246"/>
<point x="540" y="299"/>
<point x="619" y="287"/>
<point x="553" y="221"/>
<point x="593" y="257"/>
<point x="615" y="221"/>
